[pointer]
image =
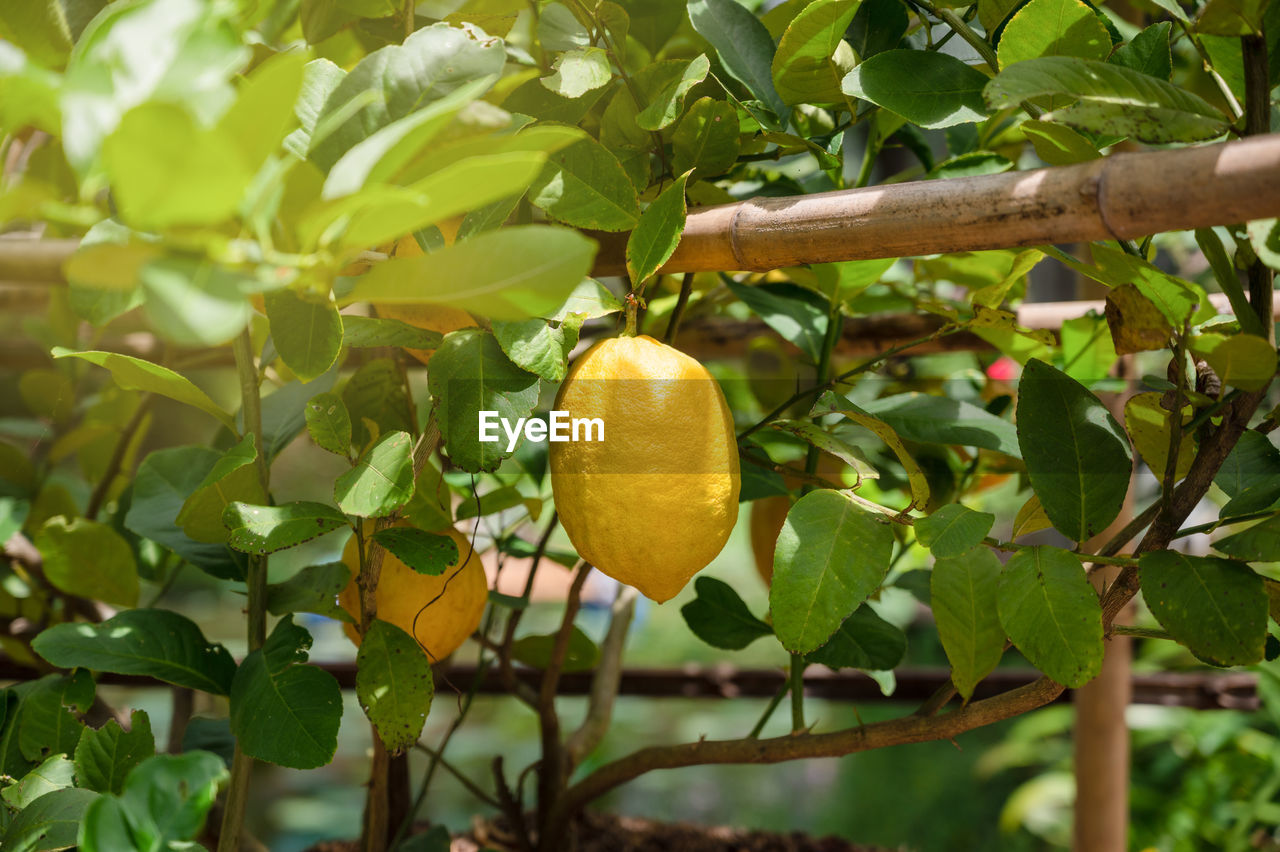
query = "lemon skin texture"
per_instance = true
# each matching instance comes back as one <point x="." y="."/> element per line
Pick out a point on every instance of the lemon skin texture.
<point x="402" y="593"/>
<point x="654" y="502"/>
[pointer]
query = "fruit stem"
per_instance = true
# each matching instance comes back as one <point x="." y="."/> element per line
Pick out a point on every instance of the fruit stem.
<point x="632" y="307"/>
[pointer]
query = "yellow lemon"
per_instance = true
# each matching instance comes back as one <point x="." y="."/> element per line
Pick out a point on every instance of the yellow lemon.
<point x="432" y="317"/>
<point x="767" y="517"/>
<point x="447" y="607"/>
<point x="654" y="501"/>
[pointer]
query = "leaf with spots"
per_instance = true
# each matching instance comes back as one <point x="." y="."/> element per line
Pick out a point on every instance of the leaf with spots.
<point x="381" y="482"/>
<point x="265" y="529"/>
<point x="394" y="685"/>
<point x="1216" y="607"/>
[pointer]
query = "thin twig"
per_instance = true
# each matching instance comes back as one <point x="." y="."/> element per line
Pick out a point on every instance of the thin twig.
<point x="604" y="684"/>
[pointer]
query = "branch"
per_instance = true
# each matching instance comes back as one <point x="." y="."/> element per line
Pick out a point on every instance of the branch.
<point x="604" y="686"/>
<point x="910" y="729"/>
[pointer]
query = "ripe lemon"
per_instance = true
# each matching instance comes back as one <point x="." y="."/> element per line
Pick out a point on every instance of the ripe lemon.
<point x="654" y="502"/>
<point x="767" y="516"/>
<point x="441" y="318"/>
<point x="444" y="624"/>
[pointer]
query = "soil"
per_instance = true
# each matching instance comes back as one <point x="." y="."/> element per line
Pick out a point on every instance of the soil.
<point x="612" y="833"/>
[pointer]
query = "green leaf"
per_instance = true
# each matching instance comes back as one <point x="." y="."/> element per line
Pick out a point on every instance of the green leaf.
<point x="262" y="115"/>
<point x="313" y="589"/>
<point x="166" y="171"/>
<point x="105" y="756"/>
<point x="165" y="479"/>
<point x="233" y="478"/>
<point x="492" y="502"/>
<point x="40" y="26"/>
<point x="282" y="711"/>
<point x="1076" y="454"/>
<point x="578" y="71"/>
<point x="1228" y="279"/>
<point x="50" y="822"/>
<point x="743" y="44"/>
<point x="941" y="420"/>
<point x="390" y="150"/>
<point x="394" y="684"/>
<point x="1176" y="298"/>
<point x="559" y="29"/>
<point x="584" y="185"/>
<point x="1149" y="425"/>
<point x="953" y="530"/>
<point x="1148" y="52"/>
<point x="381" y="481"/>
<point x="509" y="274"/>
<point x="1088" y="353"/>
<point x="831" y="555"/>
<point x="136" y="374"/>
<point x="56" y="773"/>
<point x="799" y="315"/>
<point x="706" y="140"/>
<point x="1264" y="236"/>
<point x="718" y="616"/>
<point x="1258" y="543"/>
<point x="306" y="333"/>
<point x="813" y="434"/>
<point x="1242" y="361"/>
<point x="831" y="401"/>
<point x="537" y="346"/>
<point x="1057" y="144"/>
<point x="1053" y="28"/>
<point x="812" y="56"/>
<point x="581" y="655"/>
<point x="1250" y="476"/>
<point x="667" y="87"/>
<point x="163" y="805"/>
<point x="1049" y="610"/>
<point x="655" y="238"/>
<point x="1216" y="607"/>
<point x="329" y="424"/>
<point x="152" y="642"/>
<point x="266" y="529"/>
<point x="88" y="559"/>
<point x="1232" y="17"/>
<point x="319" y="78"/>
<point x="962" y="593"/>
<point x="424" y="552"/>
<point x="49" y="720"/>
<point x="929" y="89"/>
<point x="470" y="373"/>
<point x="1111" y="99"/>
<point x="864" y="641"/>
<point x="589" y="300"/>
<point x="431" y="63"/>
<point x="193" y="302"/>
<point x="364" y="332"/>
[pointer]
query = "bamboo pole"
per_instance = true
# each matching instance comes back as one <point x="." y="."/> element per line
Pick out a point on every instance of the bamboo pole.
<point x="1122" y="196"/>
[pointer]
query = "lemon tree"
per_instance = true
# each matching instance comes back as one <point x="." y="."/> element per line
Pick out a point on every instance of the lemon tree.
<point x="295" y="207"/>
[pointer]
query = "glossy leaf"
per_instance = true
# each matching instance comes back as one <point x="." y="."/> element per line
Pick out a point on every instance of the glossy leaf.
<point x="584" y="185"/>
<point x="1053" y="28"/>
<point x="50" y="822"/>
<point x="306" y="333"/>
<point x="394" y="684"/>
<point x="655" y="238"/>
<point x="795" y="313"/>
<point x="265" y="529"/>
<point x="538" y="346"/>
<point x="864" y="641"/>
<point x="1111" y="99"/>
<point x="812" y="57"/>
<point x="1250" y="475"/>
<point x="581" y="655"/>
<point x="830" y="556"/>
<point x="963" y="596"/>
<point x="929" y="89"/>
<point x="152" y="642"/>
<point x="1049" y="610"/>
<point x="1258" y="543"/>
<point x="1077" y="456"/>
<point x="578" y="71"/>
<point x="706" y="140"/>
<point x="470" y="373"/>
<point x="831" y="401"/>
<point x="743" y="44"/>
<point x="668" y="89"/>
<point x="424" y="552"/>
<point x="718" y="616"/>
<point x="381" y="481"/>
<point x="1242" y="361"/>
<point x="941" y="420"/>
<point x="1216" y="607"/>
<point x="234" y="477"/>
<point x="1149" y="425"/>
<point x="953" y="530"/>
<point x="283" y="711"/>
<point x="313" y="589"/>
<point x="1148" y="51"/>
<point x="329" y="424"/>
